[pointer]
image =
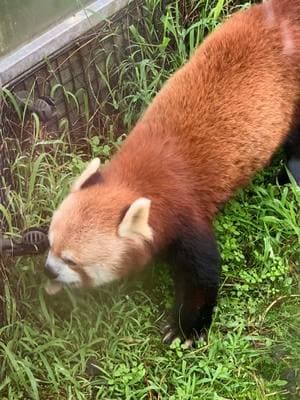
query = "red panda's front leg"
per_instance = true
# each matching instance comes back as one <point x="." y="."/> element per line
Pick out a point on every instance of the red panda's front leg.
<point x="292" y="150"/>
<point x="196" y="280"/>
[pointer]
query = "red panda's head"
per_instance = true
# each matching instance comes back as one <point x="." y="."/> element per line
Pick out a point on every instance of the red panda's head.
<point x="98" y="234"/>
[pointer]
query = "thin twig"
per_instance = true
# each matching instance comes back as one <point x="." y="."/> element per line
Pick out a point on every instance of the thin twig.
<point x="277" y="301"/>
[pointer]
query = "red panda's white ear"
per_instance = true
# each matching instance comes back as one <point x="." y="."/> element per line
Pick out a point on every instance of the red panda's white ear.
<point x="135" y="221"/>
<point x="87" y="174"/>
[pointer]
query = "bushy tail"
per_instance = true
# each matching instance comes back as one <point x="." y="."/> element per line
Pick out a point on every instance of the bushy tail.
<point x="288" y="9"/>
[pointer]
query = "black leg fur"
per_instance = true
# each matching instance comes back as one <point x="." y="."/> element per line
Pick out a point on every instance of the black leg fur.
<point x="196" y="279"/>
<point x="292" y="150"/>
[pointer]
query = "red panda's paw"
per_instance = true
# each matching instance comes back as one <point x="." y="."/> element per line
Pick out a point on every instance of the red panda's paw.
<point x="169" y="334"/>
<point x="172" y="333"/>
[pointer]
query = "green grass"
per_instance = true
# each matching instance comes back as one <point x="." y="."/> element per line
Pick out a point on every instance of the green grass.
<point x="106" y="343"/>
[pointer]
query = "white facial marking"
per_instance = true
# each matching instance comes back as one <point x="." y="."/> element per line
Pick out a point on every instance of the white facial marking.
<point x="100" y="275"/>
<point x="65" y="273"/>
<point x="50" y="237"/>
<point x="66" y="254"/>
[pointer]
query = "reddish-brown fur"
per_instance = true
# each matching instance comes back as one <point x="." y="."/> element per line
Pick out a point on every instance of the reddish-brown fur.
<point x="216" y="122"/>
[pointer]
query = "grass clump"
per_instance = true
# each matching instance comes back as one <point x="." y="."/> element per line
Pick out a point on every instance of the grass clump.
<point x="106" y="343"/>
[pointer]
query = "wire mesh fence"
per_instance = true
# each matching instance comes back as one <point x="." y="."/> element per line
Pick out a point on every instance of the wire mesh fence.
<point x="78" y="80"/>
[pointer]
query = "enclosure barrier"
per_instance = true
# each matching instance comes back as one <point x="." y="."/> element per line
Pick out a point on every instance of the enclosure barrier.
<point x="74" y="57"/>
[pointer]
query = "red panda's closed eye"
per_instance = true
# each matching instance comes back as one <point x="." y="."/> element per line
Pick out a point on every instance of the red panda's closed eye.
<point x="70" y="262"/>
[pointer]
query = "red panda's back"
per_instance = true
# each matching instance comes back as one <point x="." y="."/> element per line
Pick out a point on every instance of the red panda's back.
<point x="232" y="104"/>
<point x="289" y="9"/>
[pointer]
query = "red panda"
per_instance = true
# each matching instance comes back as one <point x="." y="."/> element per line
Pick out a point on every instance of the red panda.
<point x="214" y="124"/>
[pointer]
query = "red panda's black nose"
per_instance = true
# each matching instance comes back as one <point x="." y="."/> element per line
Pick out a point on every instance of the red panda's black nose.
<point x="49" y="271"/>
